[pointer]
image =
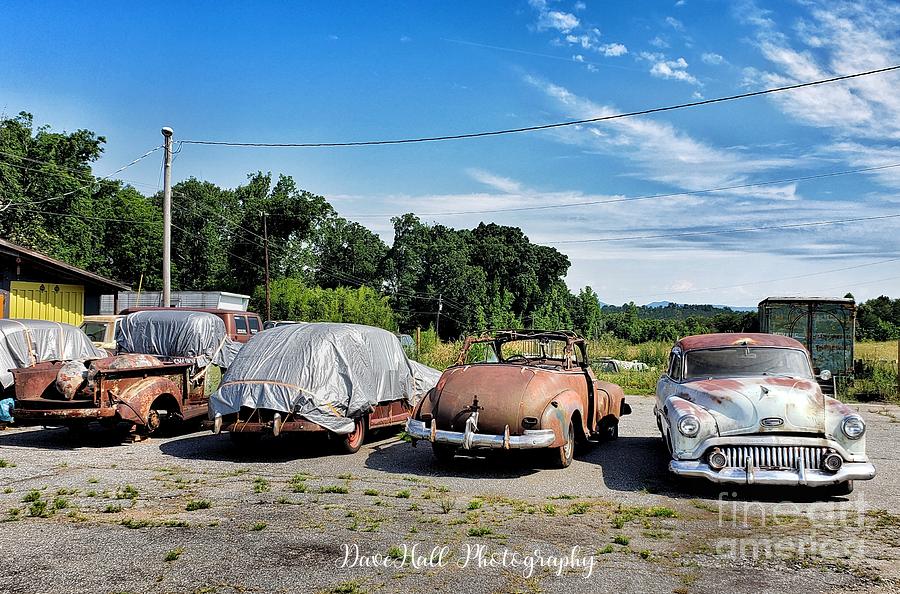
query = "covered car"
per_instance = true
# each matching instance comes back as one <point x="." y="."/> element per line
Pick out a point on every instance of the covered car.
<point x="167" y="363"/>
<point x="25" y="343"/>
<point x="340" y="378"/>
<point x="747" y="409"/>
<point x="519" y="389"/>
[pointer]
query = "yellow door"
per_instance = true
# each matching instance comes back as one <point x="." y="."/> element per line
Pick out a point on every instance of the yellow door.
<point x="47" y="301"/>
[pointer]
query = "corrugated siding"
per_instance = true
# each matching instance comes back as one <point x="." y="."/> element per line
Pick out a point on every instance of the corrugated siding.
<point x="47" y="301"/>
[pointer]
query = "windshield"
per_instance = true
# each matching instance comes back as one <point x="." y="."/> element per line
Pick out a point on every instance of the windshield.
<point x="746" y="361"/>
<point x="96" y="331"/>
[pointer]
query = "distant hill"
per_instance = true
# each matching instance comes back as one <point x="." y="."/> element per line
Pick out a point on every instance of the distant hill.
<point x="666" y="310"/>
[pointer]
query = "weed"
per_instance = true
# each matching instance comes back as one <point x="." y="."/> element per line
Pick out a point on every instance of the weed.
<point x="549" y="509"/>
<point x="346" y="588"/>
<point x="32" y="495"/>
<point x="446" y="505"/>
<point x="479" y="531"/>
<point x="475" y="504"/>
<point x="8" y="490"/>
<point x="127" y="492"/>
<point x="174" y="554"/>
<point x="91" y="493"/>
<point x="298" y="483"/>
<point x="578" y="508"/>
<point x="134" y="524"/>
<point x="258" y="526"/>
<point x="93" y="480"/>
<point x="660" y="512"/>
<point x="403" y="494"/>
<point x="396" y="552"/>
<point x="176" y="524"/>
<point x="606" y="550"/>
<point x="371" y="492"/>
<point x="6" y="463"/>
<point x="339" y="489"/>
<point x="38" y="509"/>
<point x="112" y="509"/>
<point x="195" y="504"/>
<point x="260" y="485"/>
<point x="345" y="476"/>
<point x="563" y="496"/>
<point x="60" y="503"/>
<point x="645" y="554"/>
<point x="621" y="539"/>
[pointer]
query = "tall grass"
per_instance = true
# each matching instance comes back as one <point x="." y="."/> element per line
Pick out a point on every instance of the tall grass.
<point x="875" y="373"/>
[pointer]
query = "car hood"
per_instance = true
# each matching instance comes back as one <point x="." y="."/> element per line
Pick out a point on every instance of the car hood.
<point x="501" y="390"/>
<point x="760" y="405"/>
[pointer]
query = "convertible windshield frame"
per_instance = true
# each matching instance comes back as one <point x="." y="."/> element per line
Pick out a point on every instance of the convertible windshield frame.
<point x="801" y="355"/>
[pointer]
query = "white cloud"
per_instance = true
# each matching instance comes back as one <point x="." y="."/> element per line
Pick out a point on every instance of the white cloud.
<point x="659" y="42"/>
<point x="675" y="23"/>
<point x="555" y="19"/>
<point x="712" y="59"/>
<point x="498" y="182"/>
<point x="674" y="69"/>
<point x="579" y="6"/>
<point x="613" y="49"/>
<point x="578" y="58"/>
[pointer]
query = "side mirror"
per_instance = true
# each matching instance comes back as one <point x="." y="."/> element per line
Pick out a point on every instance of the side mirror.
<point x="825" y="375"/>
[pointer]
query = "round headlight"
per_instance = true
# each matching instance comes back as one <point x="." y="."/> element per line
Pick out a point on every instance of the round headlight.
<point x="853" y="427"/>
<point x="689" y="425"/>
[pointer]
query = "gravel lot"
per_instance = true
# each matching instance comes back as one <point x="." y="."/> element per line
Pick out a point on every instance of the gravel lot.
<point x="93" y="514"/>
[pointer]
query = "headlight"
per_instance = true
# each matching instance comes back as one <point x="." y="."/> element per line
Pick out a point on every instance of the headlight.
<point x="853" y="427"/>
<point x="689" y="425"/>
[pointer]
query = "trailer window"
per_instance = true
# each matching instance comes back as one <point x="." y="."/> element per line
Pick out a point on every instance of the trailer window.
<point x="254" y="324"/>
<point x="240" y="325"/>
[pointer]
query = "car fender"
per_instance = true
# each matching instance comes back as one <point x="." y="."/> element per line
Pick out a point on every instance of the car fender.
<point x="559" y="412"/>
<point x="133" y="404"/>
<point x="675" y="408"/>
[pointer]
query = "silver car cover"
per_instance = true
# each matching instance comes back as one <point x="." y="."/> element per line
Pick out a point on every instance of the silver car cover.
<point x="326" y="373"/>
<point x="24" y="343"/>
<point x="177" y="333"/>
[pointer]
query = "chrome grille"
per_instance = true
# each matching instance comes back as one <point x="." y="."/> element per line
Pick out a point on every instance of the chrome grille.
<point x="773" y="456"/>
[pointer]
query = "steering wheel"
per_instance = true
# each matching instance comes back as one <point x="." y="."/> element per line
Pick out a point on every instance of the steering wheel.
<point x="512" y="358"/>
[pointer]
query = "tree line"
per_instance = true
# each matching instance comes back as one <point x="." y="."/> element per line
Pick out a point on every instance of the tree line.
<point x="322" y="265"/>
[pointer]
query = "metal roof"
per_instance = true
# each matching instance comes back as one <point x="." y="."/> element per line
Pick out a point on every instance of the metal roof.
<point x="18" y="251"/>
<point x="757" y="339"/>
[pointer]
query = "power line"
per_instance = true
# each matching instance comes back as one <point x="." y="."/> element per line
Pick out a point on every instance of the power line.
<point x="645" y="196"/>
<point x="724" y="231"/>
<point x="544" y="126"/>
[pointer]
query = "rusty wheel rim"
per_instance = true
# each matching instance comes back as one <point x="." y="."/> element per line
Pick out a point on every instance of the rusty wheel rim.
<point x="355" y="439"/>
<point x="569" y="447"/>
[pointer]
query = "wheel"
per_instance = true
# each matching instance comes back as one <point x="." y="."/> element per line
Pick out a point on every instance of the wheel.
<point x="350" y="443"/>
<point x="609" y="430"/>
<point x="562" y="456"/>
<point x="839" y="489"/>
<point x="153" y="423"/>
<point x="443" y="452"/>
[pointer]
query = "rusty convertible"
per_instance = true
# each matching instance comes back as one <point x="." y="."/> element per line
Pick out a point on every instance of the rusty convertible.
<point x="529" y="389"/>
<point x="746" y="409"/>
<point x="167" y="364"/>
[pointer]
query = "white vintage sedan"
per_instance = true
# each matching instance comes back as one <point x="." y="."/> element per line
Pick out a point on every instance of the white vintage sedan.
<point x="746" y="409"/>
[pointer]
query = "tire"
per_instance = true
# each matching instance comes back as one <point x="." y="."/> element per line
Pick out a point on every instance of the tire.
<point x="563" y="455"/>
<point x="351" y="442"/>
<point x="839" y="489"/>
<point x="443" y="453"/>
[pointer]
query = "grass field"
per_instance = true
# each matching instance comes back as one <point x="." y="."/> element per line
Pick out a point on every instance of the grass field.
<point x="877" y="351"/>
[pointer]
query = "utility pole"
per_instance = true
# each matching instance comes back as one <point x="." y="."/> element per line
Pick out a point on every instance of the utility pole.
<point x="266" y="244"/>
<point x="167" y="218"/>
<point x="437" y="324"/>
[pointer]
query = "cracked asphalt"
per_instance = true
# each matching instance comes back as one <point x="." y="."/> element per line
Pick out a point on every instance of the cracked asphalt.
<point x="192" y="513"/>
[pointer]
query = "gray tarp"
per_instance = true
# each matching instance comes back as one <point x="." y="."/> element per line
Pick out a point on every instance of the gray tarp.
<point x="326" y="373"/>
<point x="24" y="343"/>
<point x="177" y="333"/>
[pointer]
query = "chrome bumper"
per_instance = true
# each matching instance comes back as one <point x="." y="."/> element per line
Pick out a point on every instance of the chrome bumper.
<point x="468" y="439"/>
<point x="850" y="471"/>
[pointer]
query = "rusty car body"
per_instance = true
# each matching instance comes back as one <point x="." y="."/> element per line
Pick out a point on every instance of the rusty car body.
<point x="746" y="409"/>
<point x="171" y="380"/>
<point x="336" y="379"/>
<point x="532" y="389"/>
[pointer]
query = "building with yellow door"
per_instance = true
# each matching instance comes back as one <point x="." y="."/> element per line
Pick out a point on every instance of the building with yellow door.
<point x="38" y="287"/>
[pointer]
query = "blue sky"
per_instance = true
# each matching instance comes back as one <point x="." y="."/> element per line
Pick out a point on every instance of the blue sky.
<point x="343" y="71"/>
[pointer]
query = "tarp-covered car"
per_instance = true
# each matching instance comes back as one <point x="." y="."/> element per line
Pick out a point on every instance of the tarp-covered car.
<point x="26" y="343"/>
<point x="167" y="364"/>
<point x="746" y="409"/>
<point x="528" y="389"/>
<point x="340" y="378"/>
